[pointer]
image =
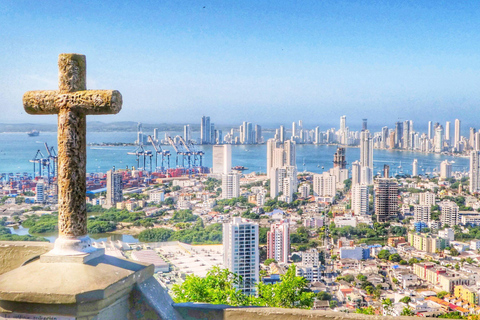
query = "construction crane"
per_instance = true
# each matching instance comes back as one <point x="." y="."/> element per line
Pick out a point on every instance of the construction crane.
<point x="53" y="159"/>
<point x="141" y="152"/>
<point x="188" y="152"/>
<point x="198" y="154"/>
<point x="164" y="153"/>
<point x="42" y="164"/>
<point x="179" y="152"/>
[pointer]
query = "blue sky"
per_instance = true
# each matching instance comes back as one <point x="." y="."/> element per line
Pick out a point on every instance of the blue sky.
<point x="267" y="62"/>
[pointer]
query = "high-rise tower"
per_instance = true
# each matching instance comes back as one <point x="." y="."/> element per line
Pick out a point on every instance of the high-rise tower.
<point x="240" y="252"/>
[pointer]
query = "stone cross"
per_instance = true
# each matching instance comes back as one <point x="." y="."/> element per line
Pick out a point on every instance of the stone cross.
<point x="72" y="102"/>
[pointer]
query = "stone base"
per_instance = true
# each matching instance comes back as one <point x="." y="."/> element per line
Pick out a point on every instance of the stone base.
<point x="53" y="257"/>
<point x="71" y="246"/>
<point x="82" y="287"/>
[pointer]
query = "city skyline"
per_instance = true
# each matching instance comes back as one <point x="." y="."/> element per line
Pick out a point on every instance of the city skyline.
<point x="266" y="60"/>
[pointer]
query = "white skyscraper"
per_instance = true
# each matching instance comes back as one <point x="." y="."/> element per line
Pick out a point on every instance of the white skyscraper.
<point x="187" y="132"/>
<point x="447" y="133"/>
<point x="222" y="159"/>
<point x="474" y="172"/>
<point x="40" y="192"/>
<point x="278" y="242"/>
<point x="439" y="139"/>
<point x="415" y="168"/>
<point x="430" y="130"/>
<point x="290" y="153"/>
<point x="457" y="135"/>
<point x="366" y="157"/>
<point x="205" y="130"/>
<point x="230" y="185"/>
<point x="360" y="199"/>
<point x="356" y="172"/>
<point x="316" y="139"/>
<point x="114" y="188"/>
<point x="241" y="255"/>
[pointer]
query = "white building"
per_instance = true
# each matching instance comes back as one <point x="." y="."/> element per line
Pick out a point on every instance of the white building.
<point x="356" y="172"/>
<point x="427" y="198"/>
<point x="222" y="159"/>
<point x="475" y="172"/>
<point x="304" y="190"/>
<point x="283" y="179"/>
<point x="366" y="157"/>
<point x="447" y="234"/>
<point x="114" y="188"/>
<point x="344" y="221"/>
<point x="313" y="222"/>
<point x="278" y="242"/>
<point x="157" y="196"/>
<point x="360" y="199"/>
<point x="324" y="185"/>
<point x="421" y="213"/>
<point x="241" y="255"/>
<point x="310" y="272"/>
<point x="230" y="185"/>
<point x="310" y="257"/>
<point x="415" y="168"/>
<point x="280" y="154"/>
<point x="445" y="170"/>
<point x="475" y="245"/>
<point x="340" y="176"/>
<point x="449" y="213"/>
<point x="40" y="192"/>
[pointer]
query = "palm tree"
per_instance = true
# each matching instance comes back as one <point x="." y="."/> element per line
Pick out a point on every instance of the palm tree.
<point x="387" y="305"/>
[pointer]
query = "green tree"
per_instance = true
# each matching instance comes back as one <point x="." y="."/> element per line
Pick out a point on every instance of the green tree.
<point x="384" y="254"/>
<point x="269" y="261"/>
<point x="366" y="310"/>
<point x="442" y="294"/>
<point x="322" y="295"/>
<point x="333" y="304"/>
<point x="290" y="292"/>
<point x="454" y="252"/>
<point x="395" y="257"/>
<point x="407" y="312"/>
<point x="218" y="287"/>
<point x="387" y="305"/>
<point x="406" y="299"/>
<point x="349" y="278"/>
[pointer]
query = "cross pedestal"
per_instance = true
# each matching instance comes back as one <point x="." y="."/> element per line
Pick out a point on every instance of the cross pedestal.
<point x="74" y="280"/>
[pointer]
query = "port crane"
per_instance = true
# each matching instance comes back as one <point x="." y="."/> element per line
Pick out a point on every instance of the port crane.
<point x="163" y="153"/>
<point x="141" y="152"/>
<point x="197" y="154"/>
<point x="179" y="152"/>
<point x="53" y="160"/>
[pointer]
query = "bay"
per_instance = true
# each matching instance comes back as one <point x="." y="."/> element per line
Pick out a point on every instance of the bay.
<point x="16" y="149"/>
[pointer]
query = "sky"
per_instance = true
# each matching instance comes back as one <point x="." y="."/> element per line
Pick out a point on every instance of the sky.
<point x="267" y="62"/>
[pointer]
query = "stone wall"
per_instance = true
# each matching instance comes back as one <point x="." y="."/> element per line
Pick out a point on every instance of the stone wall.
<point x="14" y="253"/>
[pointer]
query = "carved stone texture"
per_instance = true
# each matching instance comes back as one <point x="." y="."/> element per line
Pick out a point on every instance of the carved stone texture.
<point x="72" y="72"/>
<point x="72" y="103"/>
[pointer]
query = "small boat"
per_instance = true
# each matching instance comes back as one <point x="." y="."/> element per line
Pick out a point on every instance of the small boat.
<point x="239" y="168"/>
<point x="33" y="133"/>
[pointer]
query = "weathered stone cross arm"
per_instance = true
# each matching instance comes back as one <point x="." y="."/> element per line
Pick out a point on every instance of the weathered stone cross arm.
<point x="88" y="102"/>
